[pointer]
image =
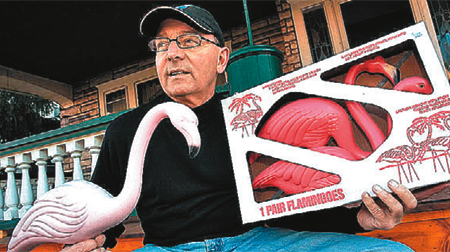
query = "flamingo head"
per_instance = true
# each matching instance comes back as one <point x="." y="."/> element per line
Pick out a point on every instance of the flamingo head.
<point x="415" y="84"/>
<point x="185" y="121"/>
<point x="374" y="66"/>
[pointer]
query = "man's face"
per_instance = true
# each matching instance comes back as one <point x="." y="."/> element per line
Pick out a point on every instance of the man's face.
<point x="189" y="75"/>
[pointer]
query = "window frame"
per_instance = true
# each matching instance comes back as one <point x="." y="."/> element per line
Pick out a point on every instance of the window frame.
<point x="142" y="81"/>
<point x="112" y="91"/>
<point x="129" y="82"/>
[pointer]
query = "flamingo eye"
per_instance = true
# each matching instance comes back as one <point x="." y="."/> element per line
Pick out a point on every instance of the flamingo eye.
<point x="421" y="85"/>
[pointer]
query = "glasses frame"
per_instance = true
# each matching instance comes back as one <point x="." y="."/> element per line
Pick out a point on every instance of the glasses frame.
<point x="178" y="43"/>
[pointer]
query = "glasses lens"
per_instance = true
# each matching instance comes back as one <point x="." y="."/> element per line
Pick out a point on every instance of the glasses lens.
<point x="159" y="44"/>
<point x="188" y="41"/>
<point x="183" y="41"/>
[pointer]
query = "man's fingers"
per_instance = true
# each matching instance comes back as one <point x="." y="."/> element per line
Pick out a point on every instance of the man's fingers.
<point x="394" y="206"/>
<point x="100" y="240"/>
<point x="87" y="245"/>
<point x="408" y="199"/>
<point x="373" y="207"/>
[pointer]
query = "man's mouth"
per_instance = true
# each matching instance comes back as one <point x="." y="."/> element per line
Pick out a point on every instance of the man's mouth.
<point x="176" y="73"/>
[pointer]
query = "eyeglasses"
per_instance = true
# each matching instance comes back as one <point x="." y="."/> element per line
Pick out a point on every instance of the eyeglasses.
<point x="184" y="41"/>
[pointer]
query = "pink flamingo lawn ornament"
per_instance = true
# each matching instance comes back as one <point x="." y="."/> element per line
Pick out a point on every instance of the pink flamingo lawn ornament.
<point x="80" y="210"/>
<point x="312" y="122"/>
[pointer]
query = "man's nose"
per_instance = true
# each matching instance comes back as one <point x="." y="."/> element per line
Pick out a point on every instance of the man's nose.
<point x="174" y="52"/>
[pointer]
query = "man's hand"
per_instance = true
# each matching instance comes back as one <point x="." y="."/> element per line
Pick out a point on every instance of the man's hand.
<point x="91" y="245"/>
<point x="386" y="212"/>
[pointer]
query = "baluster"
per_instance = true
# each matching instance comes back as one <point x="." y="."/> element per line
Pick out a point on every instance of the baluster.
<point x="2" y="203"/>
<point x="41" y="157"/>
<point x="75" y="149"/>
<point x="94" y="157"/>
<point x="59" y="172"/>
<point x="93" y="143"/>
<point x="58" y="152"/>
<point x="11" y="197"/>
<point x="77" y="171"/>
<point x="34" y="186"/>
<point x="26" y="195"/>
<point x="42" y="183"/>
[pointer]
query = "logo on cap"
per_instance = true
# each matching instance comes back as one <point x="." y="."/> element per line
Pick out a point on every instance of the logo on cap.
<point x="184" y="6"/>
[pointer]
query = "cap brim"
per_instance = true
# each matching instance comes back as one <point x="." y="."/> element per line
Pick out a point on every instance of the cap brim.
<point x="151" y="21"/>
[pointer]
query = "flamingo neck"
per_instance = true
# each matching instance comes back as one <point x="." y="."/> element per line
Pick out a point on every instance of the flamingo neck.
<point x="131" y="191"/>
<point x="362" y="118"/>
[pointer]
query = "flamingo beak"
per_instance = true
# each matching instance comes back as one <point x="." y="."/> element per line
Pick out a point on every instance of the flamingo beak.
<point x="190" y="132"/>
<point x="193" y="151"/>
<point x="392" y="72"/>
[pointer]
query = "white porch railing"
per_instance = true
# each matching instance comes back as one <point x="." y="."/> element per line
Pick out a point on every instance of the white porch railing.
<point x="72" y="151"/>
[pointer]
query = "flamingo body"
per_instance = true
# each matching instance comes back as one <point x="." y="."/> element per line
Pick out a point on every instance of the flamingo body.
<point x="80" y="210"/>
<point x="63" y="216"/>
<point x="311" y="123"/>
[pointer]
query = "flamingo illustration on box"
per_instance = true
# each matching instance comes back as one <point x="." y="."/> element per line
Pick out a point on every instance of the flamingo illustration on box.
<point x="421" y="151"/>
<point x="248" y="118"/>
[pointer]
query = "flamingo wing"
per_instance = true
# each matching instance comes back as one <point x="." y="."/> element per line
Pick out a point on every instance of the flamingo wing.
<point x="305" y="123"/>
<point x="54" y="218"/>
<point x="293" y="178"/>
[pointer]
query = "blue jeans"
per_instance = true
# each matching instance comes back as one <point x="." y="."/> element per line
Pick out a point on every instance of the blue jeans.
<point x="275" y="239"/>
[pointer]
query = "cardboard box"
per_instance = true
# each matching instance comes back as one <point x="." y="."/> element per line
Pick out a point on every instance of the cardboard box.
<point x="415" y="152"/>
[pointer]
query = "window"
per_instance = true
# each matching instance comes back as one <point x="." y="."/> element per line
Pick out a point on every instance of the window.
<point x="318" y="33"/>
<point x="116" y="101"/>
<point x="368" y="20"/>
<point x="352" y="23"/>
<point x="440" y="13"/>
<point x="148" y="91"/>
<point x="122" y="93"/>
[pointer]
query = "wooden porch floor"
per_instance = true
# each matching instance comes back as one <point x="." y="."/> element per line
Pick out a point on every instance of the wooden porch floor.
<point x="423" y="231"/>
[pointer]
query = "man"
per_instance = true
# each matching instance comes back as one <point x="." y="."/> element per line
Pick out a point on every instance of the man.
<point x="191" y="204"/>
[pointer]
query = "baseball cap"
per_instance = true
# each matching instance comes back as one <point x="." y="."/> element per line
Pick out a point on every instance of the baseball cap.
<point x="192" y="15"/>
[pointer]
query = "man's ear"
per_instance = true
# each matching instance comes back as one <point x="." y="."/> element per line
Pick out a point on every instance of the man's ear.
<point x="224" y="56"/>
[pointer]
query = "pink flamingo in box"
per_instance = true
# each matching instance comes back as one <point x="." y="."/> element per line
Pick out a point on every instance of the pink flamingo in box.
<point x="312" y="122"/>
<point x="79" y="210"/>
